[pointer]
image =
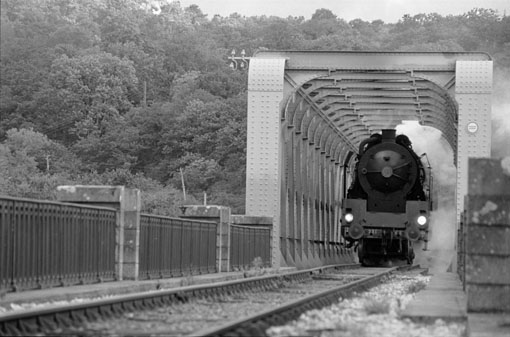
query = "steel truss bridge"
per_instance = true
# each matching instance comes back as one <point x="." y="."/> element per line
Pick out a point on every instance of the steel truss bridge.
<point x="308" y="111"/>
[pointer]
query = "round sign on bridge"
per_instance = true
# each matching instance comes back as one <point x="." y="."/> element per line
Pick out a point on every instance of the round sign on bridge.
<point x="472" y="127"/>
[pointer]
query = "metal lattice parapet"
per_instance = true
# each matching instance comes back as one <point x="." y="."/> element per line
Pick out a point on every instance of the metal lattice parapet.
<point x="46" y="244"/>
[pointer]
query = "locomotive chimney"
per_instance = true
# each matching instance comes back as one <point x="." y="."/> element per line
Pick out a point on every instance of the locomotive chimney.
<point x="388" y="135"/>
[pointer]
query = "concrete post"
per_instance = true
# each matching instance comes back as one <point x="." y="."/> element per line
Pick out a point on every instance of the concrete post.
<point x="220" y="215"/>
<point x="488" y="235"/>
<point x="128" y="204"/>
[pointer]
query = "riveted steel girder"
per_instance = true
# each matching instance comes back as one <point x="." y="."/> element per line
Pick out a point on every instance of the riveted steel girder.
<point x="330" y="102"/>
<point x="329" y="97"/>
<point x="380" y="61"/>
<point x="473" y="90"/>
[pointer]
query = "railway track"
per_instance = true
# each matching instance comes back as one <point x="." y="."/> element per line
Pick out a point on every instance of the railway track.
<point x="151" y="312"/>
<point x="257" y="324"/>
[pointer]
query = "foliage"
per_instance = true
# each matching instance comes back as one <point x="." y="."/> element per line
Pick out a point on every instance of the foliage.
<point x="32" y="166"/>
<point x="132" y="92"/>
<point x="156" y="198"/>
<point x="50" y="156"/>
<point x="116" y="147"/>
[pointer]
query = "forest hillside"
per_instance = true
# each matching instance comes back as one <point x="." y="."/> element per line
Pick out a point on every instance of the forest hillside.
<point x="121" y="92"/>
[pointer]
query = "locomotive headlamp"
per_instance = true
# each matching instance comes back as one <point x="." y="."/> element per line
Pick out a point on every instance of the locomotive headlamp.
<point x="348" y="217"/>
<point x="422" y="220"/>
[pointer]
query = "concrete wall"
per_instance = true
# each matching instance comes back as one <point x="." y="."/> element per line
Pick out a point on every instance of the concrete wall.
<point x="487" y="235"/>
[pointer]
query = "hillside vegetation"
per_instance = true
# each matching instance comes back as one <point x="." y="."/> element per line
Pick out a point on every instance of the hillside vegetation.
<point x="121" y="92"/>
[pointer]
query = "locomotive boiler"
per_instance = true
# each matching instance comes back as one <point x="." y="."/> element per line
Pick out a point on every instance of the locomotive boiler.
<point x="386" y="208"/>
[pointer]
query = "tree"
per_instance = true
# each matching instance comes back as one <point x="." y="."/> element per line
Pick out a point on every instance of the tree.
<point x="214" y="129"/>
<point x="323" y="23"/>
<point x="483" y="24"/>
<point x="199" y="173"/>
<point x="151" y="123"/>
<point x="116" y="146"/>
<point x="223" y="82"/>
<point x="439" y="46"/>
<point x="86" y="92"/>
<point x="280" y="34"/>
<point x="32" y="166"/>
<point x="50" y="156"/>
<point x="8" y="106"/>
<point x="195" y="15"/>
<point x="323" y="14"/>
<point x="16" y="170"/>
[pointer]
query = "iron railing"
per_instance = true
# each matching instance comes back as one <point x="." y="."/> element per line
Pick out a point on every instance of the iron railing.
<point x="47" y="244"/>
<point x="250" y="246"/>
<point x="171" y="247"/>
<point x="461" y="248"/>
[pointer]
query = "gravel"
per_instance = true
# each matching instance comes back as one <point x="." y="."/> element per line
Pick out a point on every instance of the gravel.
<point x="186" y="318"/>
<point x="373" y="313"/>
<point x="9" y="308"/>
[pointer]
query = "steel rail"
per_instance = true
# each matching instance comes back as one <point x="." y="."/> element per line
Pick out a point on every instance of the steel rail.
<point x="45" y="320"/>
<point x="257" y="324"/>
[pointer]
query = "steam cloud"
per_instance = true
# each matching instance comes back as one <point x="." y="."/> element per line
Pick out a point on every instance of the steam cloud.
<point x="501" y="114"/>
<point x="500" y="130"/>
<point x="441" y="245"/>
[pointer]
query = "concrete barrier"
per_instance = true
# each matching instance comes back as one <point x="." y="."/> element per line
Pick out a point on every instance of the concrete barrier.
<point x="487" y="236"/>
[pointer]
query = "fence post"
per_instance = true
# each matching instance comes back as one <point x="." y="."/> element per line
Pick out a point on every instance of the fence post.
<point x="220" y="215"/>
<point x="127" y="202"/>
<point x="487" y="228"/>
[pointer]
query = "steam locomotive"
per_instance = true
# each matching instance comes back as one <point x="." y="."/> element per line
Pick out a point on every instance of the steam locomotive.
<point x="386" y="208"/>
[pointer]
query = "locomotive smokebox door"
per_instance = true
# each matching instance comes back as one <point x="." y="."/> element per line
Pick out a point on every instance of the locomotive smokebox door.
<point x="387" y="172"/>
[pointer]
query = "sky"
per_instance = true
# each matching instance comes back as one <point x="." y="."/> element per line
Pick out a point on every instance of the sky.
<point x="390" y="11"/>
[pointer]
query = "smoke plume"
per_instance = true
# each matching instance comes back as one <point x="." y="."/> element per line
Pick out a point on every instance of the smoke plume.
<point x="441" y="245"/>
<point x="501" y="114"/>
<point x="500" y="146"/>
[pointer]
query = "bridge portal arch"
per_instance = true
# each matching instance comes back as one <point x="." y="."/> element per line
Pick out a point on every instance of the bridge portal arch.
<point x="308" y="111"/>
